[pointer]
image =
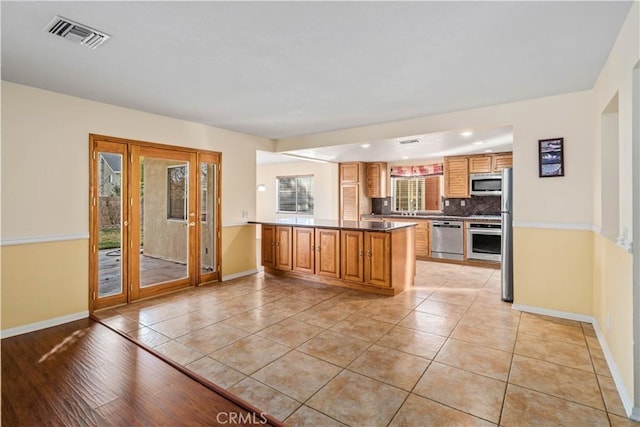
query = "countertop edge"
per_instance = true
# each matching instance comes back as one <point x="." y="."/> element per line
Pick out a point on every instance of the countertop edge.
<point x="386" y="226"/>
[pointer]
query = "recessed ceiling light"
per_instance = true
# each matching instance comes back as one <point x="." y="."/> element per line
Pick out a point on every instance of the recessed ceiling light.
<point x="489" y="150"/>
<point x="365" y="145"/>
<point x="405" y="157"/>
<point x="466" y="133"/>
<point x="478" y="143"/>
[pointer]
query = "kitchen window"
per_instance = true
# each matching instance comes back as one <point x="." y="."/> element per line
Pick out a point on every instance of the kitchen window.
<point x="295" y="194"/>
<point x="416" y="188"/>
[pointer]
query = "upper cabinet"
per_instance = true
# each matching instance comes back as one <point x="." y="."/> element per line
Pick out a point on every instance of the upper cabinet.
<point x="377" y="179"/>
<point x="456" y="177"/>
<point x="458" y="168"/>
<point x="480" y="164"/>
<point x="353" y="197"/>
<point x="487" y="163"/>
<point x="501" y="161"/>
<point x="350" y="172"/>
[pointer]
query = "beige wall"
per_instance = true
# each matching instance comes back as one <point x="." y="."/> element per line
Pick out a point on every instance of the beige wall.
<point x="47" y="131"/>
<point x="553" y="269"/>
<point x="238" y="249"/>
<point x="44" y="281"/>
<point x="325" y="187"/>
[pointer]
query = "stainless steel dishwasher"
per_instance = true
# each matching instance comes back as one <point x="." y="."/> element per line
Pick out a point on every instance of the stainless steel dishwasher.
<point x="447" y="240"/>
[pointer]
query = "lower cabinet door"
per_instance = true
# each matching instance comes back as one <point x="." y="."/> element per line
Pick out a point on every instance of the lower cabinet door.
<point x="269" y="246"/>
<point x="303" y="250"/>
<point x="328" y="252"/>
<point x="352" y="252"/>
<point x="377" y="265"/>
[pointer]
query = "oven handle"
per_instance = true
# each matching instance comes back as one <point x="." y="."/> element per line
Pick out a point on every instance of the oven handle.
<point x="485" y="231"/>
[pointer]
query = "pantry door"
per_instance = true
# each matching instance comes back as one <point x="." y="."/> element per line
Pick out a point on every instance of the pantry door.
<point x="163" y="240"/>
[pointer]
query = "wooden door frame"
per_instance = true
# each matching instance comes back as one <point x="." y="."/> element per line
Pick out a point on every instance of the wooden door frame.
<point x="97" y="146"/>
<point x="136" y="290"/>
<point x="125" y="146"/>
<point x="215" y="158"/>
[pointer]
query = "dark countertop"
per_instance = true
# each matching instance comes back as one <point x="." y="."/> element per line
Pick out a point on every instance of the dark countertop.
<point x="437" y="217"/>
<point x="343" y="225"/>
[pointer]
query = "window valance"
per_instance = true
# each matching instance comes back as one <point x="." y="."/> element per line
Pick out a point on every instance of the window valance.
<point x="424" y="170"/>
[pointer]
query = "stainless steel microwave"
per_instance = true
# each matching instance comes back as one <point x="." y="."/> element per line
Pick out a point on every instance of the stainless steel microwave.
<point x="485" y="184"/>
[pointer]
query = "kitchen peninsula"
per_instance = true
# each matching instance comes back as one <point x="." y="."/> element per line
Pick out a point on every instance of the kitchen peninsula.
<point x="377" y="257"/>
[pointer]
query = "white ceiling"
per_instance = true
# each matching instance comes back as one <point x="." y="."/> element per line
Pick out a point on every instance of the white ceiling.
<point x="279" y="69"/>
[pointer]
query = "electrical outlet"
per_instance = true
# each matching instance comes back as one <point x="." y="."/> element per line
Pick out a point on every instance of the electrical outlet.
<point x="385" y="203"/>
<point x="608" y="322"/>
<point x="446" y="203"/>
<point x="245" y="214"/>
<point x="463" y="203"/>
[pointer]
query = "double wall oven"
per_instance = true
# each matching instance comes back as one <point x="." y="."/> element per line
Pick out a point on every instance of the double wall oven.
<point x="484" y="241"/>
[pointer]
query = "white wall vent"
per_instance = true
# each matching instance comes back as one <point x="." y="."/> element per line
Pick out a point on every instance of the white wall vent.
<point x="78" y="33"/>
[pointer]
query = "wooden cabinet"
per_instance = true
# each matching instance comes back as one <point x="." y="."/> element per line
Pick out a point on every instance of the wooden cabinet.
<point x="366" y="257"/>
<point x="487" y="163"/>
<point x="456" y="177"/>
<point x="501" y="161"/>
<point x="458" y="168"/>
<point x="423" y="244"/>
<point x="422" y="241"/>
<point x="352" y="247"/>
<point x="327" y="243"/>
<point x="353" y="198"/>
<point x="350" y="172"/>
<point x="377" y="179"/>
<point x="377" y="261"/>
<point x="382" y="262"/>
<point x="269" y="246"/>
<point x="276" y="247"/>
<point x="303" y="250"/>
<point x="480" y="164"/>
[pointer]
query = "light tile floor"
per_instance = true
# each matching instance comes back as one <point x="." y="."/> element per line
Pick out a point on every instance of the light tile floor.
<point x="446" y="352"/>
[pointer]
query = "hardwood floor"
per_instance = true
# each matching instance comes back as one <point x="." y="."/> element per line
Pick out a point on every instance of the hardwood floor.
<point x="83" y="373"/>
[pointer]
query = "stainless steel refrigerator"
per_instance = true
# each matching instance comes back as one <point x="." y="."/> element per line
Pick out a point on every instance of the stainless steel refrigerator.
<point x="506" y="211"/>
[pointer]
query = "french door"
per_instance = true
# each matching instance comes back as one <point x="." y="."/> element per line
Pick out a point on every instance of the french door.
<point x="154" y="219"/>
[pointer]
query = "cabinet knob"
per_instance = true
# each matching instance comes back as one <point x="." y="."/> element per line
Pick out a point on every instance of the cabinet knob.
<point x="360" y="254"/>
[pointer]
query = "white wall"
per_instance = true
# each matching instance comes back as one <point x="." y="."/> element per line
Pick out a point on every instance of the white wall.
<point x="325" y="187"/>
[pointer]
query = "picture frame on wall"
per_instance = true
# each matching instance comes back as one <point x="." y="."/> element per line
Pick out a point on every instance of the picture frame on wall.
<point x="551" y="157"/>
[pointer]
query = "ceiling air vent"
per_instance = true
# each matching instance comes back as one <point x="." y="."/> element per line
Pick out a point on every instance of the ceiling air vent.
<point x="78" y="33"/>
<point x="408" y="141"/>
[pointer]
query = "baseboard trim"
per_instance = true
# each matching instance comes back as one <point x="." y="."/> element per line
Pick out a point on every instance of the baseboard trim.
<point x="240" y="274"/>
<point x="554" y="313"/>
<point x="19" y="330"/>
<point x="625" y="397"/>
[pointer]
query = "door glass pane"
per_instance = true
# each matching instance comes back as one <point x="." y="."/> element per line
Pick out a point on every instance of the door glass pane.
<point x="164" y="230"/>
<point x="109" y="224"/>
<point x="208" y="196"/>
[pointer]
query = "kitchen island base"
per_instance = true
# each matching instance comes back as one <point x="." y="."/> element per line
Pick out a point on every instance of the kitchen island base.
<point x="377" y="258"/>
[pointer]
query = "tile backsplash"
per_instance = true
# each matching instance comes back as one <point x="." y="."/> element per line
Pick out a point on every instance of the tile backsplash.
<point x="477" y="205"/>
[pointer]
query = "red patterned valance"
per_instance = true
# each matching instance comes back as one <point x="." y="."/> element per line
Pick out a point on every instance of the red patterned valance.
<point x="424" y="170"/>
